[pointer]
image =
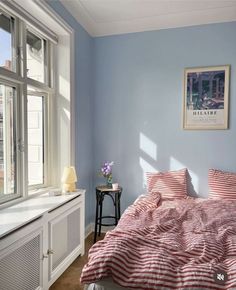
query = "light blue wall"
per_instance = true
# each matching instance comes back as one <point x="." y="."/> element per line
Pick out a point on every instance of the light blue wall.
<point x="83" y="104"/>
<point x="129" y="106"/>
<point x="137" y="103"/>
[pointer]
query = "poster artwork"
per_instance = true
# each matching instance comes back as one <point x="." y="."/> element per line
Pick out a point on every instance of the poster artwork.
<point x="206" y="98"/>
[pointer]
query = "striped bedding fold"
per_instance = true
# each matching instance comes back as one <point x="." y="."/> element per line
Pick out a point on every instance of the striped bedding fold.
<point x="171" y="244"/>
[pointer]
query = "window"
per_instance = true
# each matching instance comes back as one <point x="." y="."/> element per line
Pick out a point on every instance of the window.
<point x="37" y="86"/>
<point x="24" y="107"/>
<point x="35" y="50"/>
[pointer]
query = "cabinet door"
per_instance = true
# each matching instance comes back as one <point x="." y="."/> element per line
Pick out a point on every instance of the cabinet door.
<point x="21" y="263"/>
<point x="64" y="240"/>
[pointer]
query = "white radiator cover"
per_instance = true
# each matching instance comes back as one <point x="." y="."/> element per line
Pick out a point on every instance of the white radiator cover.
<point x="35" y="255"/>
<point x="64" y="233"/>
<point x="20" y="268"/>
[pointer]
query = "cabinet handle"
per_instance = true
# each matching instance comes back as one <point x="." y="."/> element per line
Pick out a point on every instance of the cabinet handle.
<point x="50" y="252"/>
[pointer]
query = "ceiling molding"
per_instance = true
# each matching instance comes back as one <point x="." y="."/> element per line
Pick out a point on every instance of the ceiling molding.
<point x="77" y="10"/>
<point x="102" y="18"/>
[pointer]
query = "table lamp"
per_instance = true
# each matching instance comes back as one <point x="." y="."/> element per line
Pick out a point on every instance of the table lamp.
<point x="68" y="179"/>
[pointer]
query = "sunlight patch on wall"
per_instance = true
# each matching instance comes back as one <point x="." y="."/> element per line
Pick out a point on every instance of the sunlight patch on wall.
<point x="146" y="167"/>
<point x="176" y="165"/>
<point x="64" y="88"/>
<point x="148" y="146"/>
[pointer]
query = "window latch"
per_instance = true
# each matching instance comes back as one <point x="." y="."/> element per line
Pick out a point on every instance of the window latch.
<point x="21" y="146"/>
<point x="19" y="52"/>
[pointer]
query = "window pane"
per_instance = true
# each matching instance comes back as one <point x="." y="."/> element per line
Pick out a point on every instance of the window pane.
<point x="35" y="57"/>
<point x="6" y="46"/>
<point x="35" y="140"/>
<point x="7" y="141"/>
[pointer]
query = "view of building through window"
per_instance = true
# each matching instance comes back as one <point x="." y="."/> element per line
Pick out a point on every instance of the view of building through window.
<point x="6" y="27"/>
<point x="35" y="107"/>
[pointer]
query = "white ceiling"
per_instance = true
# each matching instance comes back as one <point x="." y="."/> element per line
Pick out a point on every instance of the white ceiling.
<point x="107" y="17"/>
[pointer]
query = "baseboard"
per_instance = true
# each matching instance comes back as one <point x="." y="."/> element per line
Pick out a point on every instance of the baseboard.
<point x="90" y="228"/>
<point x="106" y="229"/>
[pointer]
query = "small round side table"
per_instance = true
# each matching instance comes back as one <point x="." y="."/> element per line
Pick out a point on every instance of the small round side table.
<point x="101" y="192"/>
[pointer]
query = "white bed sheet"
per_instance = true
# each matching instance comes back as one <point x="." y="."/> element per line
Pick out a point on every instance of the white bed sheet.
<point x="105" y="284"/>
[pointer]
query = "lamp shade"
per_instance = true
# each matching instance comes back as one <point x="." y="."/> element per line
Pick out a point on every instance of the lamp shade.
<point x="69" y="175"/>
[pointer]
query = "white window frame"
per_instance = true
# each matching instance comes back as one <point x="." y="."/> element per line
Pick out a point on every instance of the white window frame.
<point x="40" y="12"/>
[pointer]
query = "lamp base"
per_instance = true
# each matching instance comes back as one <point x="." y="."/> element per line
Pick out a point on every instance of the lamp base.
<point x="68" y="187"/>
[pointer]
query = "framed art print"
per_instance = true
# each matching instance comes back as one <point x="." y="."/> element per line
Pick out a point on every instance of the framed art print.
<point x="206" y="95"/>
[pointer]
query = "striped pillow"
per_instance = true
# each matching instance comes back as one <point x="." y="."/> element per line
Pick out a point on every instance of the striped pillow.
<point x="222" y="184"/>
<point x="170" y="184"/>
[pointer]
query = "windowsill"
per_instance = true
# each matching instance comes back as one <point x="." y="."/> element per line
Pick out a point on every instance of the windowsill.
<point x="31" y="194"/>
<point x="38" y="191"/>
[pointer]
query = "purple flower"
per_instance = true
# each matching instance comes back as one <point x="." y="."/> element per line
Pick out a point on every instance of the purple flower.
<point x="106" y="169"/>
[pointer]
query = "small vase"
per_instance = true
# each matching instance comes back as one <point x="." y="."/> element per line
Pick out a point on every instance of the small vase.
<point x="109" y="181"/>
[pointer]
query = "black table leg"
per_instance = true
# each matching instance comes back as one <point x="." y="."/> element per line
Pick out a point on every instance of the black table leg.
<point x="119" y="205"/>
<point x="100" y="216"/>
<point x="96" y="219"/>
<point x="116" y="208"/>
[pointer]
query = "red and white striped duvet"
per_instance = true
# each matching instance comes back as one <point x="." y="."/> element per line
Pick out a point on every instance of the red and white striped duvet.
<point x="168" y="245"/>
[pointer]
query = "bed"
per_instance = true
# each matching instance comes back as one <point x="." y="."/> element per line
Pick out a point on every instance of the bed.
<point x="167" y="244"/>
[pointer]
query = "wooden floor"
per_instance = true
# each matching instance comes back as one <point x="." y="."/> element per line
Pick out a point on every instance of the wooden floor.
<point x="70" y="279"/>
